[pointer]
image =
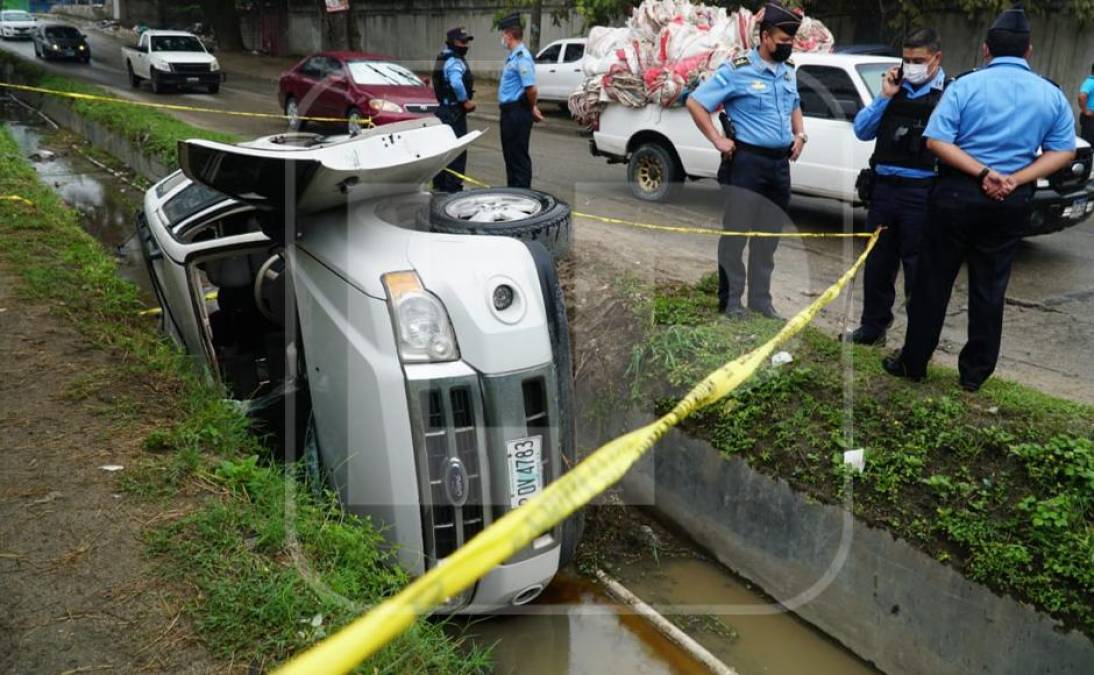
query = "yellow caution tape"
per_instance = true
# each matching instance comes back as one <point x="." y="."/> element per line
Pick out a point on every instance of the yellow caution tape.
<point x="156" y="311"/>
<point x="365" y="121"/>
<point x="341" y="652"/>
<point x="16" y="198"/>
<point x="686" y="230"/>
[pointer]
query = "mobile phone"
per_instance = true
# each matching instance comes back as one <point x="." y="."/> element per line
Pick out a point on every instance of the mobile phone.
<point x="899" y="75"/>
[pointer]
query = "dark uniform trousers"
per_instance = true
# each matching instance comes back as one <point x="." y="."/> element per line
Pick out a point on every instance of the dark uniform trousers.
<point x="901" y="208"/>
<point x="757" y="194"/>
<point x="455" y="117"/>
<point x="1086" y="124"/>
<point x="965" y="226"/>
<point x="516" y="133"/>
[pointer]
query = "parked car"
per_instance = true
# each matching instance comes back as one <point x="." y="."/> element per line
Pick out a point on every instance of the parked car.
<point x="58" y="41"/>
<point x="662" y="147"/>
<point x="15" y="23"/>
<point x="353" y="86"/>
<point x="558" y="69"/>
<point x="169" y="58"/>
<point x="429" y="334"/>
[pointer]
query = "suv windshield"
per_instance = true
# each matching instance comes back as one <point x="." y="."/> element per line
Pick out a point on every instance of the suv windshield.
<point x="196" y="197"/>
<point x="176" y="43"/>
<point x="871" y="74"/>
<point x="16" y="16"/>
<point x="64" y="32"/>
<point x="382" y="72"/>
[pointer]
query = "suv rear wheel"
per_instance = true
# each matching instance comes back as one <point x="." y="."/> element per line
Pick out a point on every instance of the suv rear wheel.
<point x="528" y="215"/>
<point x="653" y="174"/>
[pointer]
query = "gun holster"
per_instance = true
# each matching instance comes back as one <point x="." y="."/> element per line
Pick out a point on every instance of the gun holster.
<point x="864" y="185"/>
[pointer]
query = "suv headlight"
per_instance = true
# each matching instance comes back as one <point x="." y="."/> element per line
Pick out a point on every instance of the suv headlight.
<point x="214" y="66"/>
<point x="383" y="105"/>
<point x="423" y="330"/>
<point x="161" y="65"/>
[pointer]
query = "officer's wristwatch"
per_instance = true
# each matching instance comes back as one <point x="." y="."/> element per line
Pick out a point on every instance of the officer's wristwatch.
<point x="804" y="136"/>
<point x="983" y="174"/>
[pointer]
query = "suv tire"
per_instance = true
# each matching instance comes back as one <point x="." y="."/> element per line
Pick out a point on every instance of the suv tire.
<point x="520" y="213"/>
<point x="653" y="174"/>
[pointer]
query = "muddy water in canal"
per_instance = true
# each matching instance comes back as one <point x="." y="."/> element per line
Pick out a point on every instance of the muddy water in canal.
<point x="107" y="204"/>
<point x="573" y="627"/>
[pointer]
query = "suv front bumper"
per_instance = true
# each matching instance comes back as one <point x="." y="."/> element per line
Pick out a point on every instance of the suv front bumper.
<point x="1054" y="211"/>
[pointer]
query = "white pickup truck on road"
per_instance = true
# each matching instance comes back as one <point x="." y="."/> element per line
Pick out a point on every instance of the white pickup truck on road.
<point x="662" y="146"/>
<point x="169" y="58"/>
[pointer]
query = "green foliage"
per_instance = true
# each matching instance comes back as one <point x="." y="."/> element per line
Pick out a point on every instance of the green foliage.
<point x="1000" y="485"/>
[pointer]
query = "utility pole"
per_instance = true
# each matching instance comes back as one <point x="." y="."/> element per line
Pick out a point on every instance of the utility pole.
<point x="351" y="29"/>
<point x="534" y="24"/>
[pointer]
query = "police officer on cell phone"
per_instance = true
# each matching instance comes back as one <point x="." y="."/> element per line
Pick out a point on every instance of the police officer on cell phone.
<point x="517" y="96"/>
<point x="903" y="172"/>
<point x="454" y="86"/>
<point x="760" y="94"/>
<point x="986" y="131"/>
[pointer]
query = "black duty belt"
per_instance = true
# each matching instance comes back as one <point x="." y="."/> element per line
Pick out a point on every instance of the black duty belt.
<point x="519" y="103"/>
<point x="906" y="181"/>
<point x="774" y="153"/>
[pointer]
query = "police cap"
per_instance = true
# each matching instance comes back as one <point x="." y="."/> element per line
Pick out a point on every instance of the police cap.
<point x="458" y="34"/>
<point x="1013" y="20"/>
<point x="510" y="21"/>
<point x="781" y="17"/>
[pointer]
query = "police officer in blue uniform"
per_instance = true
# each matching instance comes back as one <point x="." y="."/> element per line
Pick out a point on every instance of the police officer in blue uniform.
<point x="986" y="132"/>
<point x="454" y="86"/>
<point x="760" y="95"/>
<point x="517" y="97"/>
<point x="903" y="171"/>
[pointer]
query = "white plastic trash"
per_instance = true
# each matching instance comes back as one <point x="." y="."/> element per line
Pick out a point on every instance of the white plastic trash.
<point x="781" y="359"/>
<point x="855" y="458"/>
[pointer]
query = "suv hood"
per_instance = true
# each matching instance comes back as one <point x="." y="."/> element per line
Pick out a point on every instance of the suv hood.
<point x="314" y="173"/>
<point x="183" y="57"/>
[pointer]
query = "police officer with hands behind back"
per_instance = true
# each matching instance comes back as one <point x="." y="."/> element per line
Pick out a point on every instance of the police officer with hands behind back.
<point x="903" y="173"/>
<point x="454" y="86"/>
<point x="760" y="95"/>
<point x="517" y="97"/>
<point x="986" y="132"/>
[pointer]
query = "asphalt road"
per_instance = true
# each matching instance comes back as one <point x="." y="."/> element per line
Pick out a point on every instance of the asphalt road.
<point x="1049" y="323"/>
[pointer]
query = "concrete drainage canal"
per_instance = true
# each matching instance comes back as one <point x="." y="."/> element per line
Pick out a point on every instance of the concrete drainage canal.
<point x="572" y="626"/>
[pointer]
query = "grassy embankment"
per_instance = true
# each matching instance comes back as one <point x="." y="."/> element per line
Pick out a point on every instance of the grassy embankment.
<point x="230" y="553"/>
<point x="999" y="484"/>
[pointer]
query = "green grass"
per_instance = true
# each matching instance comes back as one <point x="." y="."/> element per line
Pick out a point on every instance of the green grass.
<point x="247" y="599"/>
<point x="156" y="132"/>
<point x="999" y="484"/>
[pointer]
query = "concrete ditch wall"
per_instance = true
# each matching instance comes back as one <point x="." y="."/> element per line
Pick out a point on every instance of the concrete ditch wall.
<point x="888" y="602"/>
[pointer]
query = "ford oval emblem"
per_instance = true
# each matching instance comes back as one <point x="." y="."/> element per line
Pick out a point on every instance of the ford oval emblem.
<point x="455" y="482"/>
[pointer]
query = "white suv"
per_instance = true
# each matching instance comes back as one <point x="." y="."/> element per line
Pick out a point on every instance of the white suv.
<point x="558" y="69"/>
<point x="420" y="342"/>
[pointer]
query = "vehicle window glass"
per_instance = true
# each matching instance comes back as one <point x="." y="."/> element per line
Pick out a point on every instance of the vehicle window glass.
<point x="142" y="42"/>
<point x="574" y="52"/>
<point x="331" y="67"/>
<point x="63" y="32"/>
<point x="827" y="93"/>
<point x="176" y="43"/>
<point x="549" y="55"/>
<point x="189" y="201"/>
<point x="170" y="183"/>
<point x="311" y="68"/>
<point x="871" y="74"/>
<point x="382" y="72"/>
<point x="17" y="16"/>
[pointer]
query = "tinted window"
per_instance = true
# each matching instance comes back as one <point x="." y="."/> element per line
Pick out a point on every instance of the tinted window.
<point x="189" y="201"/>
<point x="549" y="55"/>
<point x="574" y="52"/>
<point x="313" y="68"/>
<point x="827" y="93"/>
<point x="63" y="32"/>
<point x="871" y="74"/>
<point x="176" y="43"/>
<point x="17" y="16"/>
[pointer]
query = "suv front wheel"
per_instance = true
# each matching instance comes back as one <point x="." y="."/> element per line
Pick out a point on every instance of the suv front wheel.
<point x="528" y="215"/>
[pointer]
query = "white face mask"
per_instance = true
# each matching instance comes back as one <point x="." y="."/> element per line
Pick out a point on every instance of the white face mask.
<point x="916" y="73"/>
<point x="504" y="44"/>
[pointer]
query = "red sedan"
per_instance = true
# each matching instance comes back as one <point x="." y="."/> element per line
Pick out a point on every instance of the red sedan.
<point x="355" y="86"/>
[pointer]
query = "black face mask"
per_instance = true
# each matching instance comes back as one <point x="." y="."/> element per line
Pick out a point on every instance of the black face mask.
<point x="458" y="51"/>
<point x="782" y="52"/>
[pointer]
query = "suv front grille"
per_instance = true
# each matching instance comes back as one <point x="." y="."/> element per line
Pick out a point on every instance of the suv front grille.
<point x="421" y="107"/>
<point x="190" y="68"/>
<point x="537" y="418"/>
<point x="450" y="429"/>
<point x="1066" y="178"/>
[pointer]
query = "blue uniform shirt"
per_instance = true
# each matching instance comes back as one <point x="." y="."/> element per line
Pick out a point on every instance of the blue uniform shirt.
<point x="519" y="72"/>
<point x="1003" y="114"/>
<point x="454" y="69"/>
<point x="1088" y="89"/>
<point x="758" y="99"/>
<point x="868" y="120"/>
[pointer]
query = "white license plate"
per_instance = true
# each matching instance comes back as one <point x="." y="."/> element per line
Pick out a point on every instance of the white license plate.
<point x="1078" y="208"/>
<point x="193" y="79"/>
<point x="525" y="469"/>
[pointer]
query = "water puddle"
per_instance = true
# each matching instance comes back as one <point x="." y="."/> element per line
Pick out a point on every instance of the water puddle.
<point x="106" y="203"/>
<point x="572" y="629"/>
<point x="778" y="643"/>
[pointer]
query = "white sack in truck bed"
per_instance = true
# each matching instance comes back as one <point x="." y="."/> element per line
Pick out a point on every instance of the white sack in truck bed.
<point x="668" y="48"/>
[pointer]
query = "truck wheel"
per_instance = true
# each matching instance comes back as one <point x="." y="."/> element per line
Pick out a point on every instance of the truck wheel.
<point x="214" y="88"/>
<point x="558" y="326"/>
<point x="134" y="80"/>
<point x="157" y="86"/>
<point x="653" y="174"/>
<point x="520" y="213"/>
